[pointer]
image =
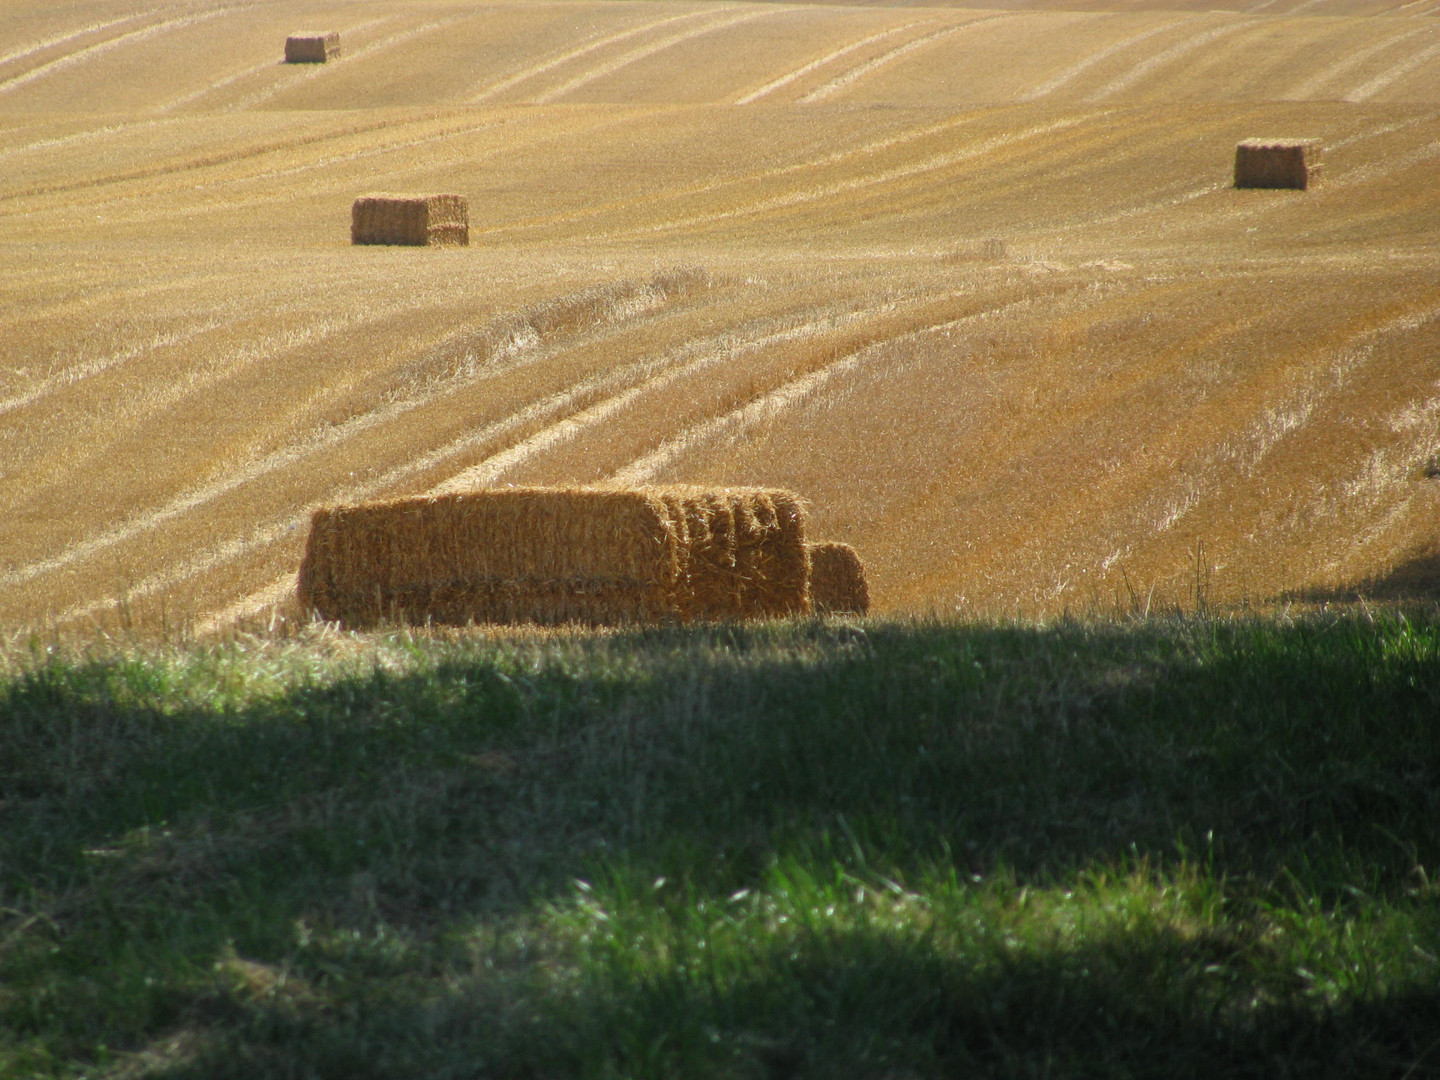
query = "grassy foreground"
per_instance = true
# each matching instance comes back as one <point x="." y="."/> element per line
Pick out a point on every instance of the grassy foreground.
<point x="1173" y="848"/>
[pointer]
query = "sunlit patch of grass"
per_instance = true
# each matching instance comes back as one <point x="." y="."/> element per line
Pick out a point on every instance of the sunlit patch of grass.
<point x="810" y="849"/>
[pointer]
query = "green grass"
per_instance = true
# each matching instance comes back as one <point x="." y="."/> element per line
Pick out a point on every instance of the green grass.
<point x="888" y="850"/>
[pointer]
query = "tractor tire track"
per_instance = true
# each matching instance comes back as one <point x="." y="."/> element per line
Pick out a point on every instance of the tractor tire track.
<point x="814" y="65"/>
<point x="855" y="74"/>
<point x="646" y="51"/>
<point x="550" y="64"/>
<point x="1166" y="56"/>
<point x="90" y="52"/>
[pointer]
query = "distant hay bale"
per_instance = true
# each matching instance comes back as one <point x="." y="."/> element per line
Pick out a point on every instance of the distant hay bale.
<point x="554" y="555"/>
<point x="837" y="580"/>
<point x="1277" y="163"/>
<point x="424" y="220"/>
<point x="312" y="48"/>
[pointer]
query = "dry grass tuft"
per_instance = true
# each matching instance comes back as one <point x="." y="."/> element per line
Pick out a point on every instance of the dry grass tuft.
<point x="422" y="220"/>
<point x="560" y="555"/>
<point x="1277" y="163"/>
<point x="312" y="48"/>
<point x="837" y="580"/>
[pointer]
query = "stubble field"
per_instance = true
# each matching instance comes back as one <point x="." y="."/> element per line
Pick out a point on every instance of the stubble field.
<point x="975" y="282"/>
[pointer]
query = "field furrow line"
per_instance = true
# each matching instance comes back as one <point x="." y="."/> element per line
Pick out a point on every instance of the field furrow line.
<point x="506" y="360"/>
<point x="1165" y="56"/>
<point x="90" y="52"/>
<point x="855" y="74"/>
<point x="842" y="187"/>
<point x="814" y="65"/>
<point x="555" y="409"/>
<point x="79" y="137"/>
<point x="647" y="50"/>
<point x="73" y="35"/>
<point x="1391" y="75"/>
<point x="317" y="70"/>
<point x="1327" y="75"/>
<point x="835" y="158"/>
<point x="1259" y="438"/>
<point x="216" y="160"/>
<point x="75" y="373"/>
<point x="253" y="70"/>
<point x="551" y="63"/>
<point x="644" y="469"/>
<point x="1079" y="68"/>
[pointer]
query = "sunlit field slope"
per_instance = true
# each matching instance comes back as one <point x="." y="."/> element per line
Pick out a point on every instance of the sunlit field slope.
<point x="975" y="282"/>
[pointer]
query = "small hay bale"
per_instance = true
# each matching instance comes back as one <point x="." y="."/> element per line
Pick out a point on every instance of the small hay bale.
<point x="837" y="580"/>
<point x="1277" y="163"/>
<point x="312" y="48"/>
<point x="555" y="555"/>
<point x="421" y="220"/>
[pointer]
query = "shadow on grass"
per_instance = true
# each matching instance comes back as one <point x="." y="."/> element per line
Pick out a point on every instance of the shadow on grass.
<point x="156" y="820"/>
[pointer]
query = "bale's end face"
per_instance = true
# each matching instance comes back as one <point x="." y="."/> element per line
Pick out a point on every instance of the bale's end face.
<point x="837" y="580"/>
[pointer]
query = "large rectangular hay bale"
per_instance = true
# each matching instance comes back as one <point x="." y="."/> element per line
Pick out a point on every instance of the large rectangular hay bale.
<point x="423" y="220"/>
<point x="552" y="556"/>
<point x="312" y="47"/>
<point x="1277" y="163"/>
<point x="837" y="580"/>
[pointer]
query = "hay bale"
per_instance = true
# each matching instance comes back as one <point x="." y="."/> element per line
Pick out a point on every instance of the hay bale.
<point x="552" y="556"/>
<point x="432" y="220"/>
<point x="312" y="48"/>
<point x="1277" y="163"/>
<point x="837" y="580"/>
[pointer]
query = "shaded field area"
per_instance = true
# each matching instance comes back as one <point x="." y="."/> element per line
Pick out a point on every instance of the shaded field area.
<point x="904" y="849"/>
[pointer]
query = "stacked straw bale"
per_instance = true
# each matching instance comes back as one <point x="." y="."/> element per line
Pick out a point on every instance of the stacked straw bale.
<point x="837" y="580"/>
<point x="312" y="48"/>
<point x="554" y="555"/>
<point x="1277" y="163"/>
<point x="423" y="220"/>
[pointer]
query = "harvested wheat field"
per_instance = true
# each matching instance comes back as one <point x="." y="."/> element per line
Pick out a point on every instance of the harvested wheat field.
<point x="976" y="283"/>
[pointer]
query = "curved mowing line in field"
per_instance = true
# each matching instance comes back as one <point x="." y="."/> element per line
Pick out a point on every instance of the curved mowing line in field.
<point x="574" y="54"/>
<point x="89" y="53"/>
<point x="644" y="469"/>
<point x="1145" y="67"/>
<point x="215" y="160"/>
<point x="558" y="407"/>
<point x="256" y="69"/>
<point x="834" y="158"/>
<point x="1262" y="435"/>
<point x="828" y="58"/>
<point x="1391" y="75"/>
<point x="317" y="70"/>
<point x="237" y="477"/>
<point x="650" y="49"/>
<point x="1073" y="72"/>
<point x="855" y="74"/>
<point x="80" y="136"/>
<point x="840" y="187"/>
<point x="88" y="369"/>
<point x="63" y="39"/>
<point x="1326" y="76"/>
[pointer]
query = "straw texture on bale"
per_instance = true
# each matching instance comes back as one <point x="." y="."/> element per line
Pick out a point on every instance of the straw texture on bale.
<point x="552" y="556"/>
<point x="837" y="580"/>
<point x="1277" y="163"/>
<point x="312" y="48"/>
<point x="422" y="220"/>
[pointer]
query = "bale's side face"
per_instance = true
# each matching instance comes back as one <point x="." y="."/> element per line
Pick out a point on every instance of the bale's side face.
<point x="837" y="580"/>
<point x="1275" y="163"/>
<point x="414" y="220"/>
<point x="554" y="556"/>
<point x="313" y="48"/>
